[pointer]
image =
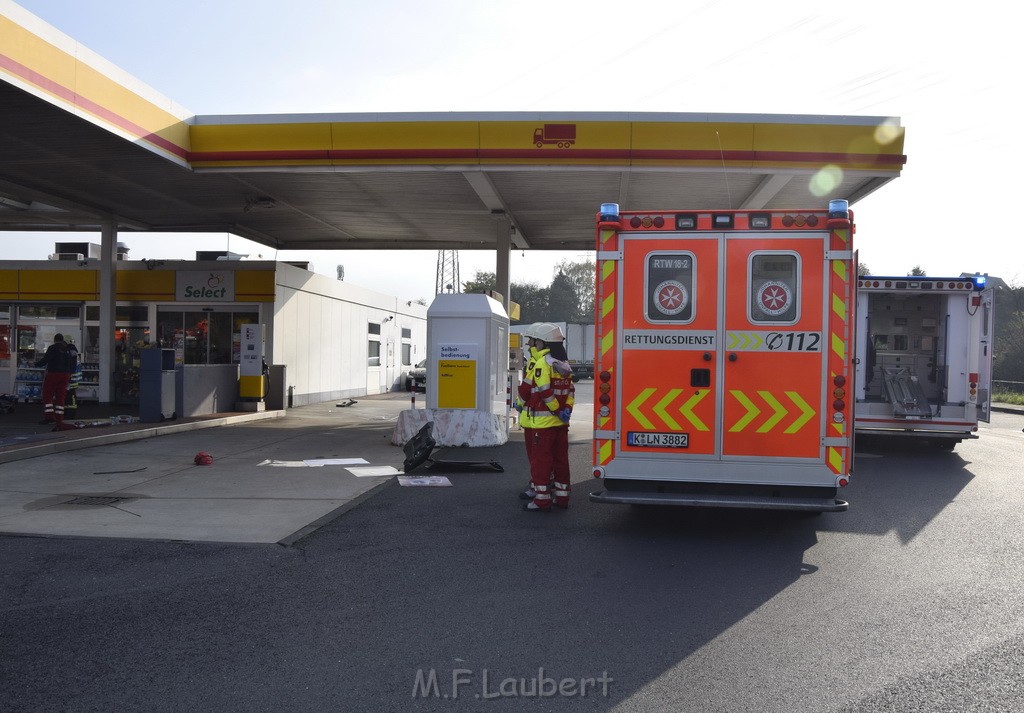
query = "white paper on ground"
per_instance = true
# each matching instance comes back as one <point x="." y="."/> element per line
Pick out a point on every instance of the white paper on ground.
<point x="373" y="470"/>
<point x="318" y="462"/>
<point x="436" y="481"/>
<point x="285" y="463"/>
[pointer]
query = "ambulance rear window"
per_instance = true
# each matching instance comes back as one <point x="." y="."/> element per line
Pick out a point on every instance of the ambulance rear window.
<point x="774" y="288"/>
<point x="670" y="295"/>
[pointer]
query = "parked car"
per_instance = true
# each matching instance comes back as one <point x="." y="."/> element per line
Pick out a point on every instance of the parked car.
<point x="417" y="378"/>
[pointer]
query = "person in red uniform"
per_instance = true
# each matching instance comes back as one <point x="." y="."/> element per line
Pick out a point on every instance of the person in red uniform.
<point x="545" y="402"/>
<point x="58" y="361"/>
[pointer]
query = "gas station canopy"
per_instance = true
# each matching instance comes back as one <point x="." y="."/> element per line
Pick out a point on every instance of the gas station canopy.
<point x="83" y="145"/>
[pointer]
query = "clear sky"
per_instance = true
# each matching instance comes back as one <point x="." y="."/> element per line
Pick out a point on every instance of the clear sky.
<point x="950" y="72"/>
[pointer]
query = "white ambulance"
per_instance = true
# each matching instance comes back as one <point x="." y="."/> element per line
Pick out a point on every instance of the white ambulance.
<point x="924" y="357"/>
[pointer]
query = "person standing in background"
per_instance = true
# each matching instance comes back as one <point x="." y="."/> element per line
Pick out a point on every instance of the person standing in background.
<point x="57" y="361"/>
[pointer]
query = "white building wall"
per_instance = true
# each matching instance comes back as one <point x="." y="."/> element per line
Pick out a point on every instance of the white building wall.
<point x="321" y="334"/>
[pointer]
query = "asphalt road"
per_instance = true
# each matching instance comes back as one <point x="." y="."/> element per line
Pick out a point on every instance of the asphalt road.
<point x="436" y="599"/>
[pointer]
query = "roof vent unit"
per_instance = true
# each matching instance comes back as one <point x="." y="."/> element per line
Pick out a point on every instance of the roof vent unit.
<point x="203" y="255"/>
<point x="87" y="250"/>
<point x="77" y="257"/>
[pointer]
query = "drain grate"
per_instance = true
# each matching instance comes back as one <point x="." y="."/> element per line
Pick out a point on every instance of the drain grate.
<point x="95" y="500"/>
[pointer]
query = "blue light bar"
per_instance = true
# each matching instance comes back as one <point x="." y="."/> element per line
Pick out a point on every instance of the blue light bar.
<point x="839" y="208"/>
<point x="979" y="281"/>
<point x="610" y="212"/>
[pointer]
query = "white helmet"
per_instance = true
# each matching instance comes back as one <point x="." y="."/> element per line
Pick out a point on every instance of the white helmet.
<point x="545" y="331"/>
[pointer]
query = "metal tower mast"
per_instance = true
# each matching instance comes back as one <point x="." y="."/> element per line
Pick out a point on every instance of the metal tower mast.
<point x="447" y="272"/>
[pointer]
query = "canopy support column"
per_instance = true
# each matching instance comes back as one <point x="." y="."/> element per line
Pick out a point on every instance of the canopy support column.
<point x="502" y="261"/>
<point x="108" y="310"/>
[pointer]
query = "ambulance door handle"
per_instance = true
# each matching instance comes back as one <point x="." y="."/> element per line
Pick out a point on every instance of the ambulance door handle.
<point x="733" y="357"/>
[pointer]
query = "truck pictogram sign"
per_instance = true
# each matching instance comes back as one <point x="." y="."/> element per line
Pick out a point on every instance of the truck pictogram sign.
<point x="561" y="135"/>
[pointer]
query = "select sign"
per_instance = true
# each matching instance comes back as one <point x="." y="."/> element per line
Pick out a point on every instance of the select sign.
<point x="205" y="286"/>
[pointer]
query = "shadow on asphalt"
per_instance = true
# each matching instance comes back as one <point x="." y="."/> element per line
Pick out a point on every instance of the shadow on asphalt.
<point x="456" y="581"/>
<point x="899" y="487"/>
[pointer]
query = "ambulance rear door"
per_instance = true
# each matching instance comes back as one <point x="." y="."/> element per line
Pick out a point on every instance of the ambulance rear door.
<point x="774" y="365"/>
<point x="987" y="308"/>
<point x="721" y="355"/>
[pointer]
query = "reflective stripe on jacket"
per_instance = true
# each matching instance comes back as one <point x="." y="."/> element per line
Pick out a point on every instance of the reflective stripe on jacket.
<point x="547" y="388"/>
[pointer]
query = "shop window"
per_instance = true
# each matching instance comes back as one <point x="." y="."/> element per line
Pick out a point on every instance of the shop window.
<point x="122" y="313"/>
<point x="373" y="344"/>
<point x="33" y="312"/>
<point x="5" y="346"/>
<point x="5" y="336"/>
<point x="204" y="337"/>
<point x="774" y="288"/>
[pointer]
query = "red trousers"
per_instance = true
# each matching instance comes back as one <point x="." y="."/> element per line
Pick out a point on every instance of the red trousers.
<point x="55" y="389"/>
<point x="548" y="452"/>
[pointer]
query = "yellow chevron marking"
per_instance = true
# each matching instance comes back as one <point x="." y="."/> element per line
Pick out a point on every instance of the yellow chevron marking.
<point x="660" y="407"/>
<point x="687" y="410"/>
<point x="843" y="234"/>
<point x="835" y="460"/>
<point x="604" y="453"/>
<point x="752" y="411"/>
<point x="607" y="305"/>
<point x="634" y="408"/>
<point x="808" y="412"/>
<point x="744" y="340"/>
<point x="839" y="267"/>
<point x="606" y="235"/>
<point x="839" y="307"/>
<point x="838" y="347"/>
<point x="608" y="342"/>
<point x="780" y="411"/>
<point x="607" y="269"/>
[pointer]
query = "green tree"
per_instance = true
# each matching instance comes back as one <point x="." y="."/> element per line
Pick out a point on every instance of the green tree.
<point x="1008" y="364"/>
<point x="1008" y="347"/>
<point x="863" y="270"/>
<point x="482" y="283"/>
<point x="563" y="302"/>
<point x="532" y="299"/>
<point x="917" y="271"/>
<point x="581" y="276"/>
